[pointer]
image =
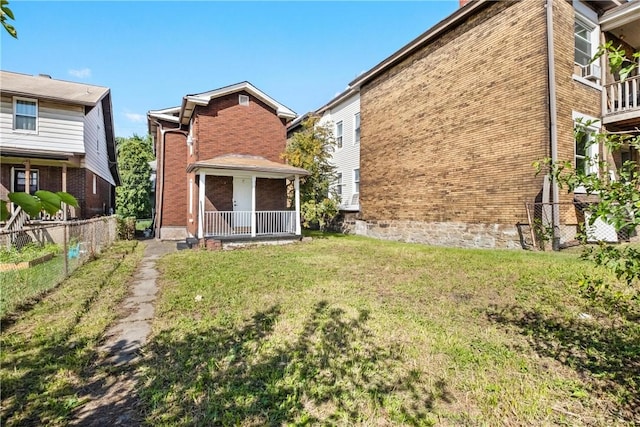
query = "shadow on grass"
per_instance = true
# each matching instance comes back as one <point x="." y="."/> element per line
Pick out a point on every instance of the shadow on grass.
<point x="330" y="373"/>
<point x="606" y="355"/>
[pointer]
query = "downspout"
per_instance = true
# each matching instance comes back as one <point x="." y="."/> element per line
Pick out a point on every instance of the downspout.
<point x="160" y="178"/>
<point x="553" y="127"/>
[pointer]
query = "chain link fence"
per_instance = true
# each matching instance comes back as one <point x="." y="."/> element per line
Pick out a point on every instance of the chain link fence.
<point x="42" y="254"/>
<point x="574" y="222"/>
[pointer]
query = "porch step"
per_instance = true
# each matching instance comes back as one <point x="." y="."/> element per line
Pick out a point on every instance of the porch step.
<point x="182" y="245"/>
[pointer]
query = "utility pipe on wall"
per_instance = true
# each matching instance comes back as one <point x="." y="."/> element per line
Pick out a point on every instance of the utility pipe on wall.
<point x="553" y="127"/>
<point x="160" y="172"/>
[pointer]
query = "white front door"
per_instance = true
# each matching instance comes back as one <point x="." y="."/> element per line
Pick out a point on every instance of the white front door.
<point x="242" y="201"/>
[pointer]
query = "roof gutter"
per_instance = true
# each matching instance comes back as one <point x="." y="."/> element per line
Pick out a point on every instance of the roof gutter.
<point x="160" y="174"/>
<point x="553" y="126"/>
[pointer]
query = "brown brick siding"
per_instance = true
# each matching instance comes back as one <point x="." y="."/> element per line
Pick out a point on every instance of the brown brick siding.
<point x="79" y="185"/>
<point x="222" y="127"/>
<point x="469" y="117"/>
<point x="271" y="194"/>
<point x="174" y="178"/>
<point x="219" y="193"/>
<point x="225" y="127"/>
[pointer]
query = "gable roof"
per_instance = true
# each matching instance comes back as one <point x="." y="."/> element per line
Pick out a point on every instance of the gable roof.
<point x="44" y="87"/>
<point x="189" y="102"/>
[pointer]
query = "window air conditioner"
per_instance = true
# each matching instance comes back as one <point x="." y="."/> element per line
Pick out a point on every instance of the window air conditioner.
<point x="591" y="71"/>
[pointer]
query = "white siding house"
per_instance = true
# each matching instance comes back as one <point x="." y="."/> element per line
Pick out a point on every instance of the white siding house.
<point x="58" y="136"/>
<point x="343" y="114"/>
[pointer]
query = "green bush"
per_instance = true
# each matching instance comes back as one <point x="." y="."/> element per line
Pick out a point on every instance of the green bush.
<point x="126" y="228"/>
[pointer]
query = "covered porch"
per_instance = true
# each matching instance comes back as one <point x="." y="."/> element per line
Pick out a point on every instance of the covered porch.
<point x="246" y="197"/>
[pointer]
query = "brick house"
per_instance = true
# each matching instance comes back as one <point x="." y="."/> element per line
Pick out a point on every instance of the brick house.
<point x="475" y="100"/>
<point x="219" y="171"/>
<point x="58" y="136"/>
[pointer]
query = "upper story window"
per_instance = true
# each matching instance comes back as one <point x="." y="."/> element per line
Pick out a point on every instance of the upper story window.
<point x="339" y="134"/>
<point x="583" y="49"/>
<point x="586" y="40"/>
<point x="356" y="126"/>
<point x="25" y="114"/>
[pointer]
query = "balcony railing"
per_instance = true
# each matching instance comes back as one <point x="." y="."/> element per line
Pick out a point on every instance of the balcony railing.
<point x="623" y="97"/>
<point x="239" y="223"/>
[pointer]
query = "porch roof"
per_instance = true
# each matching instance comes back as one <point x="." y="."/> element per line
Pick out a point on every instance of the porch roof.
<point x="224" y="165"/>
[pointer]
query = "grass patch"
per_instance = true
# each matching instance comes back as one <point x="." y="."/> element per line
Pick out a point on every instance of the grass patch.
<point x="19" y="288"/>
<point x="28" y="252"/>
<point x="354" y="331"/>
<point x="47" y="351"/>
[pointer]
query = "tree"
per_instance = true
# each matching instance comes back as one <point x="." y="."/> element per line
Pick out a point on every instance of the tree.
<point x="5" y="13"/>
<point x="133" y="195"/>
<point x="618" y="200"/>
<point x="311" y="149"/>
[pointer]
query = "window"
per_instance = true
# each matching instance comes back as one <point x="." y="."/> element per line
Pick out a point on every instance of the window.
<point x="356" y="180"/>
<point x="586" y="147"/>
<point x="95" y="184"/>
<point x="339" y="134"/>
<point x="356" y="120"/>
<point x="338" y="184"/>
<point x="583" y="48"/>
<point x="25" y="114"/>
<point x="243" y="100"/>
<point x="19" y="180"/>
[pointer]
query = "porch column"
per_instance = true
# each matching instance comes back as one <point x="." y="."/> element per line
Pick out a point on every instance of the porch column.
<point x="201" y="180"/>
<point x="27" y="176"/>
<point x="64" y="188"/>
<point x="296" y="184"/>
<point x="253" y="206"/>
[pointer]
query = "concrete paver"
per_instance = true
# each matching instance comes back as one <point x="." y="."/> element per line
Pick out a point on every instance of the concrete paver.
<point x="112" y="400"/>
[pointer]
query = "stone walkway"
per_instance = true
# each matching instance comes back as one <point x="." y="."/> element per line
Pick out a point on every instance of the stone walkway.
<point x="112" y="399"/>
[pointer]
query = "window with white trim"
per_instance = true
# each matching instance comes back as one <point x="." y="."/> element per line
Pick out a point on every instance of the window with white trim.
<point x="356" y="180"/>
<point x="339" y="134"/>
<point x="356" y="126"/>
<point x="586" y="40"/>
<point x="338" y="184"/>
<point x="19" y="180"/>
<point x="95" y="184"/>
<point x="586" y="146"/>
<point x="25" y="114"/>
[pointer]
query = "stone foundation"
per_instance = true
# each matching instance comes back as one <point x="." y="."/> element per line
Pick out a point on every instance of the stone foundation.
<point x="462" y="235"/>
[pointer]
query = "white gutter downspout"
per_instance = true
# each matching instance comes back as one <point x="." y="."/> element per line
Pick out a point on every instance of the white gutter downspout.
<point x="160" y="177"/>
<point x="553" y="128"/>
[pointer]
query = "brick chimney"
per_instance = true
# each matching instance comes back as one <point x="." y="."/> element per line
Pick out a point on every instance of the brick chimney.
<point x="463" y="2"/>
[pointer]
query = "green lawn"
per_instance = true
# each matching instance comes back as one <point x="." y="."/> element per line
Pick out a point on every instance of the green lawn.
<point x="354" y="331"/>
<point x="49" y="348"/>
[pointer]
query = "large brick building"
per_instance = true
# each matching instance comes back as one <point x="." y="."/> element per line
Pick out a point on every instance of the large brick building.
<point x="219" y="168"/>
<point x="452" y="122"/>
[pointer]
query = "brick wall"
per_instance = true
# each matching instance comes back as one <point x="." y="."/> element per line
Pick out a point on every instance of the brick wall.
<point x="449" y="134"/>
<point x="174" y="179"/>
<point x="225" y="127"/>
<point x="271" y="194"/>
<point x="79" y="185"/>
<point x="222" y="127"/>
<point x="219" y="193"/>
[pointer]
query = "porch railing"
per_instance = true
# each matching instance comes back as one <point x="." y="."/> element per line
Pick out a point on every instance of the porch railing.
<point x="622" y="96"/>
<point x="238" y="223"/>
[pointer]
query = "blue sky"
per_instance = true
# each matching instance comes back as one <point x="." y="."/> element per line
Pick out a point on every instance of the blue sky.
<point x="151" y="53"/>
